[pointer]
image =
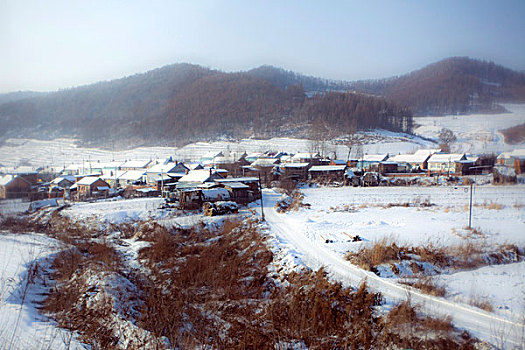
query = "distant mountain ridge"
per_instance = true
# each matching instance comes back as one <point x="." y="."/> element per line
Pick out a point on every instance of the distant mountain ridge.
<point x="183" y="102"/>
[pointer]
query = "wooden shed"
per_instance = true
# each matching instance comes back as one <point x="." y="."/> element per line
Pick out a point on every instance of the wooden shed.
<point x="14" y="186"/>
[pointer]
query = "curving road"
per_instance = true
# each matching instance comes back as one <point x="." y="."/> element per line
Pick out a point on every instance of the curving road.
<point x="484" y="325"/>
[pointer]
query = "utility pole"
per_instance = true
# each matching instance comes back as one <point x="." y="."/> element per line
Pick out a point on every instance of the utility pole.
<point x="470" y="208"/>
<point x="260" y="191"/>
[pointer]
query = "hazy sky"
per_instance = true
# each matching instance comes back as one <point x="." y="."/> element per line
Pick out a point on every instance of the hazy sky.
<point x="47" y="45"/>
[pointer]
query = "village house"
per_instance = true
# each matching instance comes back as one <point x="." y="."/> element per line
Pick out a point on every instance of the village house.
<point x="387" y="167"/>
<point x="412" y="162"/>
<point x="162" y="171"/>
<point x="238" y="193"/>
<point x="201" y="176"/>
<point x="207" y="159"/>
<point x="132" y="165"/>
<point x="132" y="177"/>
<point x="112" y="177"/>
<point x="306" y="157"/>
<point x="90" y="186"/>
<point x="252" y="157"/>
<point x="444" y="162"/>
<point x="370" y="162"/>
<point x="14" y="186"/>
<point x="234" y="165"/>
<point x="327" y="172"/>
<point x="294" y="171"/>
<point x="266" y="168"/>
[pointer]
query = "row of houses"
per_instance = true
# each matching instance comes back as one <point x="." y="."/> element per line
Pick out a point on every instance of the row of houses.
<point x="162" y="176"/>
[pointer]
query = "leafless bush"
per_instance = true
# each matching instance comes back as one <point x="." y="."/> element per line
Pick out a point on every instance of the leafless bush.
<point x="427" y="285"/>
<point x="467" y="255"/>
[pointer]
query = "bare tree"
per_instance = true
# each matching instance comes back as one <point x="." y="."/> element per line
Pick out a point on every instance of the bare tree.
<point x="446" y="138"/>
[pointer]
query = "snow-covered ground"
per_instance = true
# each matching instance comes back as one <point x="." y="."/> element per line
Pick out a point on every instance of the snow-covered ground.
<point x="337" y="214"/>
<point x="21" y="324"/>
<point x="476" y="133"/>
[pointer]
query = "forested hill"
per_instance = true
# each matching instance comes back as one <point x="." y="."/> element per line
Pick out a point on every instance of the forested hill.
<point x="183" y="102"/>
<point x="454" y="85"/>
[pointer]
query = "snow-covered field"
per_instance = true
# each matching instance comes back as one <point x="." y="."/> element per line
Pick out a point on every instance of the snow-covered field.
<point x="476" y="133"/>
<point x="21" y="324"/>
<point x="338" y="214"/>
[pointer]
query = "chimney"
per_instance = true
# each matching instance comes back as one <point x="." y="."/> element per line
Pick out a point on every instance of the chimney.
<point x="210" y="171"/>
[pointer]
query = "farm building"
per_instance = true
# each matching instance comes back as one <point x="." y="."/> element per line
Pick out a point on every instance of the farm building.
<point x="371" y="161"/>
<point x="251" y="182"/>
<point x="295" y="171"/>
<point x="239" y="192"/>
<point x="132" y="177"/>
<point x="306" y="157"/>
<point x="444" y="162"/>
<point x="234" y="165"/>
<point x="412" y="162"/>
<point x="14" y="186"/>
<point x="327" y="172"/>
<point x="91" y="185"/>
<point x="462" y="167"/>
<point x="153" y="173"/>
<point x="387" y="167"/>
<point x="63" y="181"/>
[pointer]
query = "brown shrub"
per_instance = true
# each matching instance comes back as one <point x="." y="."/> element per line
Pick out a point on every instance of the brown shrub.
<point x="427" y="285"/>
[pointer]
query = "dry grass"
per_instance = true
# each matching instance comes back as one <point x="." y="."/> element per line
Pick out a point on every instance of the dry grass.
<point x="427" y="285"/>
<point x="204" y="289"/>
<point x="467" y="255"/>
<point x="481" y="303"/>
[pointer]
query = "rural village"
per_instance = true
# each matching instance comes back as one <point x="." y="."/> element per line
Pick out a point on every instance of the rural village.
<point x="216" y="177"/>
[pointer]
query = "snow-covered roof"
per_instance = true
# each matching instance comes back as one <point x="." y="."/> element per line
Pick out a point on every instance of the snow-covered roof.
<point x="339" y="161"/>
<point x="305" y="155"/>
<point x="132" y="175"/>
<point x="201" y="175"/>
<point x="162" y="168"/>
<point x="410" y="158"/>
<point x="327" y="168"/>
<point x="59" y="179"/>
<point x="88" y="180"/>
<point x="237" y="179"/>
<point x="6" y="179"/>
<point x="287" y="158"/>
<point x="194" y="166"/>
<point x="236" y="185"/>
<point x="295" y="165"/>
<point x="472" y="157"/>
<point x="265" y="162"/>
<point x="136" y="164"/>
<point x="374" y="157"/>
<point x="255" y="155"/>
<point x="160" y="177"/>
<point x="445" y="157"/>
